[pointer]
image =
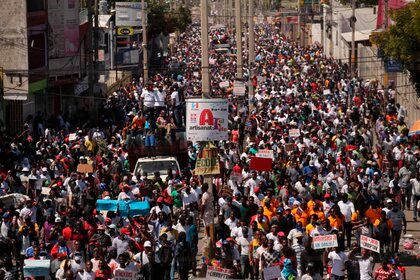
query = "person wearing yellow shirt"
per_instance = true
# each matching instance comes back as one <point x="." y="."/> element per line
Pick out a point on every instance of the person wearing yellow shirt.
<point x="310" y="227"/>
<point x="90" y="144"/>
<point x="312" y="203"/>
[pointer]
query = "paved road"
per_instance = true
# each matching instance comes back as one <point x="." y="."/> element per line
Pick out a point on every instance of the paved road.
<point x="409" y="256"/>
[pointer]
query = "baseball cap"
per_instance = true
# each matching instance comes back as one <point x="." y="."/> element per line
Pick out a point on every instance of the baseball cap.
<point x="388" y="201"/>
<point x="147" y="244"/>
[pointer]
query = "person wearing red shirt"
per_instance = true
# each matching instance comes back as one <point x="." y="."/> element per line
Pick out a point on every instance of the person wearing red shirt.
<point x="384" y="272"/>
<point x="104" y="272"/>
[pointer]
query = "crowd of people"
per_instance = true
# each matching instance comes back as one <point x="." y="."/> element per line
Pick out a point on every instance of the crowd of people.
<point x="350" y="170"/>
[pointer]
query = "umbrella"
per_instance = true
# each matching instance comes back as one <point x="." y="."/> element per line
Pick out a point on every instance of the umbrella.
<point x="415" y="129"/>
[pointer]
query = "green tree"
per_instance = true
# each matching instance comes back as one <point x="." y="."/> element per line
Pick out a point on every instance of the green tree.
<point x="402" y="40"/>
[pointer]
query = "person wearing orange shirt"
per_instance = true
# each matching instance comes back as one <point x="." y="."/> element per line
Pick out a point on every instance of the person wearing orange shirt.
<point x="373" y="213"/>
<point x="335" y="220"/>
<point x="301" y="214"/>
<point x="382" y="231"/>
<point x="269" y="209"/>
<point x="312" y="203"/>
<point x="317" y="211"/>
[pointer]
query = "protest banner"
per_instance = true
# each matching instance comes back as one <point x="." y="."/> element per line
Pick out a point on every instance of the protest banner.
<point x="36" y="268"/>
<point x="125" y="208"/>
<point x="370" y="243"/>
<point x="214" y="273"/>
<point x="85" y="168"/>
<point x="265" y="154"/>
<point x="120" y="274"/>
<point x="324" y="241"/>
<point x="239" y="88"/>
<point x="207" y="120"/>
<point x="261" y="164"/>
<point x="272" y="272"/>
<point x="207" y="162"/>
<point x="294" y="133"/>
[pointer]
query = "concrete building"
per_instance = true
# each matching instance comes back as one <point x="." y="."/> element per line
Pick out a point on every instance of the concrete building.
<point x="23" y="51"/>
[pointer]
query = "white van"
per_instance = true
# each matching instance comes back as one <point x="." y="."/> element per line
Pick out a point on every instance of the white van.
<point x="152" y="164"/>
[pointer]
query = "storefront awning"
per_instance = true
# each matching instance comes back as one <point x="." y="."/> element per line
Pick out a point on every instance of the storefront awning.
<point x="358" y="36"/>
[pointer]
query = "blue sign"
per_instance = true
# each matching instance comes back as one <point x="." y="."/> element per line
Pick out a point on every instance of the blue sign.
<point x="125" y="208"/>
<point x="393" y="66"/>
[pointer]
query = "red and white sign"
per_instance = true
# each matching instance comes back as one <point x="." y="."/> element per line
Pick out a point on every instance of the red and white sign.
<point x="294" y="133"/>
<point x="370" y="243"/>
<point x="265" y="154"/>
<point x="120" y="274"/>
<point x="207" y="120"/>
<point x="324" y="241"/>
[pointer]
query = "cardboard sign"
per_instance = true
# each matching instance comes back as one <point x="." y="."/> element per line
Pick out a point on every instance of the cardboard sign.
<point x="370" y="243"/>
<point x="272" y="272"/>
<point x="120" y="274"/>
<point x="236" y="177"/>
<point x="214" y="273"/>
<point x="265" y="154"/>
<point x="324" y="241"/>
<point x="85" y="168"/>
<point x="289" y="147"/>
<point x="294" y="133"/>
<point x="226" y="191"/>
<point x="36" y="268"/>
<point x="207" y="162"/>
<point x="239" y="88"/>
<point x="207" y="120"/>
<point x="261" y="164"/>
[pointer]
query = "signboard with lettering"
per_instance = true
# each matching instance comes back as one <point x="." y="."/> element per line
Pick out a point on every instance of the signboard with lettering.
<point x="294" y="133"/>
<point x="265" y="154"/>
<point x="214" y="273"/>
<point x="370" y="243"/>
<point x="207" y="162"/>
<point x="125" y="31"/>
<point x="207" y="120"/>
<point x="324" y="241"/>
<point x="120" y="274"/>
<point x="239" y="88"/>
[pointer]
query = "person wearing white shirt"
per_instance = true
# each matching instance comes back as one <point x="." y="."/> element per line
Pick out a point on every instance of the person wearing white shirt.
<point x="160" y="96"/>
<point x="188" y="197"/>
<point x="160" y="207"/>
<point x="338" y="260"/>
<point x="347" y="209"/>
<point x="231" y="222"/>
<point x="251" y="184"/>
<point x="415" y="184"/>
<point x="243" y="247"/>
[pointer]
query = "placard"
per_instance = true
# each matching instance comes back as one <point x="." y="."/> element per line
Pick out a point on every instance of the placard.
<point x="219" y="273"/>
<point x="120" y="274"/>
<point x="207" y="162"/>
<point x="125" y="208"/>
<point x="239" y="88"/>
<point x="85" y="168"/>
<point x="72" y="136"/>
<point x="324" y="241"/>
<point x="370" y="243"/>
<point x="261" y="164"/>
<point x="265" y="154"/>
<point x="294" y="133"/>
<point x="224" y="84"/>
<point x="207" y="120"/>
<point x="36" y="268"/>
<point x="272" y="272"/>
<point x="289" y="147"/>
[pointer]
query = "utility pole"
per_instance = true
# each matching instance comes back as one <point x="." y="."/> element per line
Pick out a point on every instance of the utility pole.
<point x="251" y="50"/>
<point x="95" y="40"/>
<point x="205" y="79"/>
<point x="89" y="39"/>
<point x="144" y="43"/>
<point x="353" y="38"/>
<point x="299" y="23"/>
<point x="238" y="28"/>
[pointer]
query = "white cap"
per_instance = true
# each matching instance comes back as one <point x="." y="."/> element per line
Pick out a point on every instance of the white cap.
<point x="44" y="169"/>
<point x="25" y="169"/>
<point x="58" y="220"/>
<point x="147" y="244"/>
<point x="388" y="201"/>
